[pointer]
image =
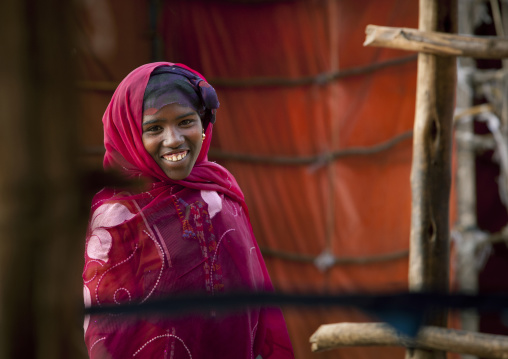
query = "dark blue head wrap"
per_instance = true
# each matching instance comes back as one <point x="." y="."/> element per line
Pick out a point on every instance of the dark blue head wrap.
<point x="174" y="84"/>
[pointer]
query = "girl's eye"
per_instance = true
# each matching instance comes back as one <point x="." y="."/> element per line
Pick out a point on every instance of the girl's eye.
<point x="152" y="128"/>
<point x="186" y="122"/>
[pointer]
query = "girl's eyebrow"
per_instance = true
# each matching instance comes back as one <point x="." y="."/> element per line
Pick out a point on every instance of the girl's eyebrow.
<point x="149" y="122"/>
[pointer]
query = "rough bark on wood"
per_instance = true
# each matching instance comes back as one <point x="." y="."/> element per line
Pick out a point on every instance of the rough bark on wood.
<point x="332" y="336"/>
<point x="431" y="166"/>
<point x="437" y="43"/>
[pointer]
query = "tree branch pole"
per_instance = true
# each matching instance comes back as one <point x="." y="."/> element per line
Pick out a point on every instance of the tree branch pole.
<point x="331" y="336"/>
<point x="437" y="43"/>
<point x="431" y="166"/>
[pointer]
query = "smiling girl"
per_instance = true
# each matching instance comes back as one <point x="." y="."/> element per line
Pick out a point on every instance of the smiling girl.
<point x="188" y="233"/>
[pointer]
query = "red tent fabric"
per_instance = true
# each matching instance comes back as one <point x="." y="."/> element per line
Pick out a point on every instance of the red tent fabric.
<point x="285" y="72"/>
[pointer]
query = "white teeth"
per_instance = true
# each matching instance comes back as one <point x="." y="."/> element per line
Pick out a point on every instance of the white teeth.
<point x="175" y="158"/>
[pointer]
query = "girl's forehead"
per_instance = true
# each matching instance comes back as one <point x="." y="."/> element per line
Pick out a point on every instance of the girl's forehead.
<point x="174" y="111"/>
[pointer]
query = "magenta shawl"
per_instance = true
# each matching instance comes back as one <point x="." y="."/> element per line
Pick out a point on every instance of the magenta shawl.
<point x="179" y="237"/>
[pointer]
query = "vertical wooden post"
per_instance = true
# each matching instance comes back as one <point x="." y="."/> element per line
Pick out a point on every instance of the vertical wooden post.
<point x="40" y="284"/>
<point x="466" y="243"/>
<point x="431" y="168"/>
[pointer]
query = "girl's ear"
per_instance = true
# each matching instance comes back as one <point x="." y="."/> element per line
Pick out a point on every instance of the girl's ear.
<point x="204" y="122"/>
<point x="208" y="117"/>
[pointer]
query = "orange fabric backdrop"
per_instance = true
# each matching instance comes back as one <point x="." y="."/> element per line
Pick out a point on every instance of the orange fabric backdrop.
<point x="357" y="206"/>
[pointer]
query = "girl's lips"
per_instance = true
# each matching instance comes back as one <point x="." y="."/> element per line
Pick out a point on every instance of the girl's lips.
<point x="175" y="157"/>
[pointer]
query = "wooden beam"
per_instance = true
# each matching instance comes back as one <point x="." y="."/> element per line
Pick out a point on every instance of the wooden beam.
<point x="431" y="166"/>
<point x="332" y="336"/>
<point x="437" y="43"/>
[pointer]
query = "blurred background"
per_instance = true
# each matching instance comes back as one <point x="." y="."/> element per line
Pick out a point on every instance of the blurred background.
<point x="315" y="127"/>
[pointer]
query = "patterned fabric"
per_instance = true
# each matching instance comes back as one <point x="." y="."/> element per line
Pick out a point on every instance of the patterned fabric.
<point x="177" y="237"/>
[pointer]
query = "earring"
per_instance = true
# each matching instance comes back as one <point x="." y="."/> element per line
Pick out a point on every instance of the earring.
<point x="204" y="136"/>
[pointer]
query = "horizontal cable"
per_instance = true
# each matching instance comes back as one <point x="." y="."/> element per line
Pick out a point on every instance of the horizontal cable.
<point x="412" y="302"/>
<point x="320" y="159"/>
<point x="319" y="79"/>
<point x="306" y="258"/>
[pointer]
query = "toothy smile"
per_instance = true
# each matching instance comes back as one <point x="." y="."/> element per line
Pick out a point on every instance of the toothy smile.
<point x="175" y="157"/>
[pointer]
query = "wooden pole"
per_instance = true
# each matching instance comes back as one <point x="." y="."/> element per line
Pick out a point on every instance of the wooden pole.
<point x="431" y="166"/>
<point x="331" y="336"/>
<point x="40" y="253"/>
<point x="437" y="43"/>
<point x="466" y="240"/>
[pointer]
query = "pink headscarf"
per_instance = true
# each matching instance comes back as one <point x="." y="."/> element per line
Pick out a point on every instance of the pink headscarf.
<point x="124" y="147"/>
<point x="178" y="237"/>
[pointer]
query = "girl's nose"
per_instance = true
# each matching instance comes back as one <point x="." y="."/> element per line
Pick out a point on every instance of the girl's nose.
<point x="173" y="138"/>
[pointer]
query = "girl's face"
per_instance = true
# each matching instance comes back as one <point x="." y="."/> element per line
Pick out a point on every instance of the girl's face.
<point x="173" y="137"/>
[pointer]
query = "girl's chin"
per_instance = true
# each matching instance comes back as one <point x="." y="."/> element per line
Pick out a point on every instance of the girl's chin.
<point x="177" y="173"/>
